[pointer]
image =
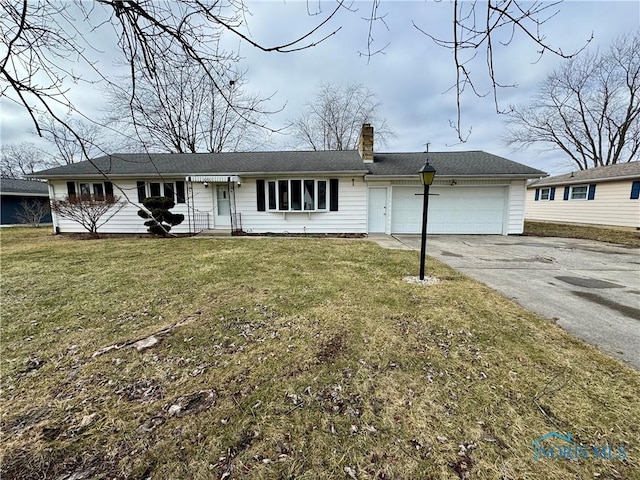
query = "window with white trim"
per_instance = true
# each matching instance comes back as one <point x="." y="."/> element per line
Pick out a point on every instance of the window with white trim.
<point x="545" y="193"/>
<point x="578" y="192"/>
<point x="297" y="195"/>
<point x="97" y="190"/>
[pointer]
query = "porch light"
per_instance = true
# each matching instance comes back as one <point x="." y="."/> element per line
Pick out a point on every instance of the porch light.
<point x="427" y="173"/>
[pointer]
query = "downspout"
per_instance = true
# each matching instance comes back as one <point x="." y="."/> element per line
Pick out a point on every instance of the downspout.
<point x="192" y="212"/>
<point x="231" y="205"/>
<point x="186" y="201"/>
<point x="54" y="217"/>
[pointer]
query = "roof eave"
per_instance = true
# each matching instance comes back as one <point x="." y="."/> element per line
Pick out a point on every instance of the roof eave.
<point x="327" y="172"/>
<point x="197" y="174"/>
<point x="511" y="176"/>
<point x="24" y="194"/>
<point x="573" y="181"/>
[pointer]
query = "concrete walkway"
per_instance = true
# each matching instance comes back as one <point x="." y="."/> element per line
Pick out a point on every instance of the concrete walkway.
<point x="591" y="289"/>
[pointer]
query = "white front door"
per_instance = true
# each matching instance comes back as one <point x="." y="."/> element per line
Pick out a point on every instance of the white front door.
<point x="222" y="207"/>
<point x="377" y="210"/>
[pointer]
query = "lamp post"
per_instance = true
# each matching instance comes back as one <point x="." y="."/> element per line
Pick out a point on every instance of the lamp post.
<point x="427" y="172"/>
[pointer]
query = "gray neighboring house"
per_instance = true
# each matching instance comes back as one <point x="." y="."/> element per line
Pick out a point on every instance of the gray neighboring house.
<point x="608" y="195"/>
<point x="350" y="192"/>
<point x="14" y="192"/>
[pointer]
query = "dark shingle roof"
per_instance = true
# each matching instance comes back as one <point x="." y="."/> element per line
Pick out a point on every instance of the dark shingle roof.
<point x="472" y="163"/>
<point x="599" y="174"/>
<point x="14" y="186"/>
<point x="214" y="163"/>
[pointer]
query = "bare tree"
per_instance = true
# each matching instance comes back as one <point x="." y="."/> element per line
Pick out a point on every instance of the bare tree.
<point x="42" y="38"/>
<point x="182" y="111"/>
<point x="46" y="42"/>
<point x="90" y="211"/>
<point x="67" y="148"/>
<point x="31" y="212"/>
<point x="483" y="26"/>
<point x="20" y="159"/>
<point x="589" y="108"/>
<point x="332" y="121"/>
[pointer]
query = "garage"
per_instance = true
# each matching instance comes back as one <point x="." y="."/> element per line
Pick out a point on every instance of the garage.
<point x="464" y="210"/>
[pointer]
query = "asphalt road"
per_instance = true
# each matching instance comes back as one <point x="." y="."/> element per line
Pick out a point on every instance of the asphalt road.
<point x="590" y="289"/>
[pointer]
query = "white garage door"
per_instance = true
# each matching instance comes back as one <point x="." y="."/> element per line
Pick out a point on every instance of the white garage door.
<point x="451" y="210"/>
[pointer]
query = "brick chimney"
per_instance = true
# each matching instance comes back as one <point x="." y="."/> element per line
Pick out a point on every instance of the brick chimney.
<point x="365" y="143"/>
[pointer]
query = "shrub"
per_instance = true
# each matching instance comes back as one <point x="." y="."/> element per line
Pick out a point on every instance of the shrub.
<point x="159" y="218"/>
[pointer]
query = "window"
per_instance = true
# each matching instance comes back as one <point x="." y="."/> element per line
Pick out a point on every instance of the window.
<point x="635" y="190"/>
<point x="175" y="191"/>
<point x="97" y="190"/>
<point x="142" y="191"/>
<point x="296" y="195"/>
<point x="180" y="192"/>
<point x="154" y="190"/>
<point x="272" y="195"/>
<point x="260" y="195"/>
<point x="579" y="192"/>
<point x="309" y="195"/>
<point x="545" y="193"/>
<point x="322" y="195"/>
<point x="283" y="194"/>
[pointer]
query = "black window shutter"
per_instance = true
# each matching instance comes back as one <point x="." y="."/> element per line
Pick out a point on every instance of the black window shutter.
<point x="180" y="196"/>
<point x="142" y="193"/>
<point x="552" y="195"/>
<point x="566" y="193"/>
<point x="537" y="194"/>
<point x="260" y="195"/>
<point x="592" y="192"/>
<point x="333" y="194"/>
<point x="108" y="189"/>
<point x="635" y="190"/>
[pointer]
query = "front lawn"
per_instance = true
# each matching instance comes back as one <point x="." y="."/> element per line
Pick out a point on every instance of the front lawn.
<point x="286" y="358"/>
<point x="618" y="236"/>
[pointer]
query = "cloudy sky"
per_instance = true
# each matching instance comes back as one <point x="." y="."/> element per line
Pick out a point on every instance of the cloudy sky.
<point x="411" y="77"/>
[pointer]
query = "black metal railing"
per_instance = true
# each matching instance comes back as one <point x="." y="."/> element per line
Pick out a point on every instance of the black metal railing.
<point x="200" y="222"/>
<point x="236" y="223"/>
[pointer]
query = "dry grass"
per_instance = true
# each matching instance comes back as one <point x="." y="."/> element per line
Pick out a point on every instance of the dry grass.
<point x="629" y="238"/>
<point x="283" y="359"/>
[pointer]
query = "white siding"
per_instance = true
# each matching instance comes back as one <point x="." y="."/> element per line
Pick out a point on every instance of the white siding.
<point x="610" y="206"/>
<point x="127" y="219"/>
<point x="515" y="210"/>
<point x="351" y="216"/>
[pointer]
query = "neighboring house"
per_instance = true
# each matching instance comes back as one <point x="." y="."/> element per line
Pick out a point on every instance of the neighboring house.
<point x="599" y="196"/>
<point x="351" y="192"/>
<point x="15" y="193"/>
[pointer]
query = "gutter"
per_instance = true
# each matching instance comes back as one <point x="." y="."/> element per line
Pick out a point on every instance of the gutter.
<point x="462" y="177"/>
<point x="574" y="181"/>
<point x="89" y="176"/>
<point x="24" y="194"/>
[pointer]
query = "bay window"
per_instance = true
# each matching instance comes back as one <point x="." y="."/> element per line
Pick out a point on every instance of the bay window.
<point x="297" y="195"/>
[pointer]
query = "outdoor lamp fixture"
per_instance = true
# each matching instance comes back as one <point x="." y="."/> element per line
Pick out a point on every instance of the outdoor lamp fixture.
<point x="427" y="172"/>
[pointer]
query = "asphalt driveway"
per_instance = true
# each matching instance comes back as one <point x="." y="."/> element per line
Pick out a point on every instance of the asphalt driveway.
<point x="591" y="289"/>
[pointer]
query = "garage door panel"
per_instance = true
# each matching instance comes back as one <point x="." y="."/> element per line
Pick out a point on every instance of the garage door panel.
<point x="451" y="210"/>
